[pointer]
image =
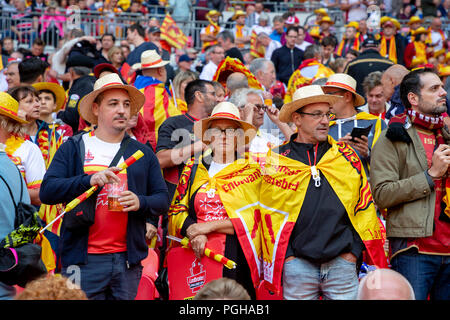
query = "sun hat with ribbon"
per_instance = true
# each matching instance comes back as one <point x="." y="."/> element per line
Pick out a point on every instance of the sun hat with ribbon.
<point x="224" y="111"/>
<point x="346" y="82"/>
<point x="107" y="82"/>
<point x="150" y="59"/>
<point x="58" y="91"/>
<point x="238" y="13"/>
<point x="9" y="107"/>
<point x="326" y="19"/>
<point x="304" y="96"/>
<point x="414" y="19"/>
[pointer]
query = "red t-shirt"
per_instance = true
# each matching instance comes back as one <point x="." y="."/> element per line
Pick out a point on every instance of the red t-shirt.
<point x="439" y="242"/>
<point x="109" y="231"/>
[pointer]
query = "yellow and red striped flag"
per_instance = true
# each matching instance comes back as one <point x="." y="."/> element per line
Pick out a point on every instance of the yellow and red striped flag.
<point x="172" y="34"/>
<point x="257" y="50"/>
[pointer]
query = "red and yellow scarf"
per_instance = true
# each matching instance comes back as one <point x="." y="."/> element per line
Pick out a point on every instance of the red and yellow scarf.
<point x="392" y="54"/>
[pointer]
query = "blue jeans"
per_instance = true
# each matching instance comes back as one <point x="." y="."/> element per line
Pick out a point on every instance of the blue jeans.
<point x="106" y="277"/>
<point x="428" y="274"/>
<point x="334" y="280"/>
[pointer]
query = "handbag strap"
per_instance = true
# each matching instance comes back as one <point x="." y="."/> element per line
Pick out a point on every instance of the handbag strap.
<point x="10" y="192"/>
<point x="123" y="145"/>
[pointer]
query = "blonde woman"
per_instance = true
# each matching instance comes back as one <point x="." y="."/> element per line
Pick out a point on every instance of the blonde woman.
<point x="180" y="82"/>
<point x="115" y="56"/>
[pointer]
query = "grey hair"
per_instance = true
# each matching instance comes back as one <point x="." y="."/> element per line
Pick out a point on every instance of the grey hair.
<point x="236" y="81"/>
<point x="258" y="65"/>
<point x="372" y="80"/>
<point x="278" y="18"/>
<point x="239" y="97"/>
<point x="311" y="51"/>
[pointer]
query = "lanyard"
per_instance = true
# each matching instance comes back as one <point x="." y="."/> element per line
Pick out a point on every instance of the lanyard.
<point x="314" y="172"/>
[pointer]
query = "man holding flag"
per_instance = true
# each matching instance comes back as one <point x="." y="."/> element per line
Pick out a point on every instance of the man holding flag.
<point x="317" y="211"/>
<point x="107" y="247"/>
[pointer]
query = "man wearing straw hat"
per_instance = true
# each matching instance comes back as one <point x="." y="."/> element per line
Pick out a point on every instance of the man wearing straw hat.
<point x="314" y="238"/>
<point x="159" y="103"/>
<point x="347" y="116"/>
<point x="106" y="253"/>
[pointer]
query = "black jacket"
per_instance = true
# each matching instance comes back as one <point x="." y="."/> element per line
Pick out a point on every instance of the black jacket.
<point x="286" y="61"/>
<point x="367" y="62"/>
<point x="65" y="180"/>
<point x="80" y="87"/>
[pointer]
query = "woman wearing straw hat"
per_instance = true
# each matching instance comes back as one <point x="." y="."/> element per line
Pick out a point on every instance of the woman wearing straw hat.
<point x="25" y="154"/>
<point x="210" y="194"/>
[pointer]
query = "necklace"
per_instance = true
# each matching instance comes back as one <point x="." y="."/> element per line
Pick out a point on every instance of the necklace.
<point x="315" y="174"/>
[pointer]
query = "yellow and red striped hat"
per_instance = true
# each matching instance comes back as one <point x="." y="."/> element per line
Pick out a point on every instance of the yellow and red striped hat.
<point x="108" y="82"/>
<point x="231" y="65"/>
<point x="223" y="111"/>
<point x="9" y="107"/>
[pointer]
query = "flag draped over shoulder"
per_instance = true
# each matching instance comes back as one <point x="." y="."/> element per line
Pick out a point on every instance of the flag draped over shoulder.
<point x="172" y="34"/>
<point x="257" y="50"/>
<point x="238" y="187"/>
<point x="283" y="190"/>
<point x="230" y="65"/>
<point x="158" y="105"/>
<point x="298" y="80"/>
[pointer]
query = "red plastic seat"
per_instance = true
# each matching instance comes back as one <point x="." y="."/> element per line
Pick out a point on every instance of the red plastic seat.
<point x="147" y="289"/>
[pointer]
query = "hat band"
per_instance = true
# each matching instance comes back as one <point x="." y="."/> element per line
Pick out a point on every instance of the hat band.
<point x="111" y="84"/>
<point x="9" y="111"/>
<point x="144" y="65"/>
<point x="226" y="114"/>
<point x="341" y="85"/>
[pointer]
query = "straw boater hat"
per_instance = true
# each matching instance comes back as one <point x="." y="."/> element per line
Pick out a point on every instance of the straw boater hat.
<point x="110" y="81"/>
<point x="212" y="13"/>
<point x="150" y="59"/>
<point x="326" y="19"/>
<point x="224" y="111"/>
<point x="414" y="19"/>
<point x="321" y="11"/>
<point x="9" y="107"/>
<point x="444" y="72"/>
<point x="346" y="82"/>
<point x="420" y="30"/>
<point x="304" y="96"/>
<point x="58" y="91"/>
<point x="238" y="13"/>
<point x="352" y="24"/>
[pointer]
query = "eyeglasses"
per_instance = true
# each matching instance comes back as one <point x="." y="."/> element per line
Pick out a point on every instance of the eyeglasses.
<point x="316" y="115"/>
<point x="213" y="93"/>
<point x="335" y="92"/>
<point x="260" y="107"/>
<point x="217" y="132"/>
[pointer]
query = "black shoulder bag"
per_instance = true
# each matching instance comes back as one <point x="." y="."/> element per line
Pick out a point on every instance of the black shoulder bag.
<point x="83" y="215"/>
<point x="20" y="259"/>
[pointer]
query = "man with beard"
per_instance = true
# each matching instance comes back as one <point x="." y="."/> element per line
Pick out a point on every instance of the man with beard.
<point x="176" y="143"/>
<point x="409" y="178"/>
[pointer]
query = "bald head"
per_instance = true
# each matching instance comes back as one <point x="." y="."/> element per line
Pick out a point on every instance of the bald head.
<point x="391" y="78"/>
<point x="236" y="81"/>
<point x="385" y="284"/>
